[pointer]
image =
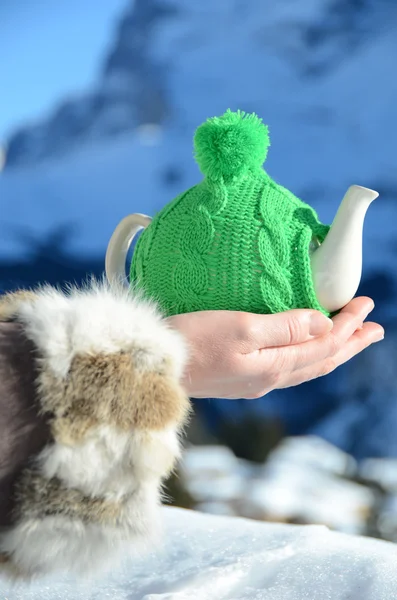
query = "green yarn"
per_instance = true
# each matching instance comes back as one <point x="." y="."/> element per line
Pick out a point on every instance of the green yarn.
<point x="229" y="146"/>
<point x="237" y="240"/>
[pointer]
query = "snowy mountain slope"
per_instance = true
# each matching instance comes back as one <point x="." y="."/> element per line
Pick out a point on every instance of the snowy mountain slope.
<point x="218" y="558"/>
<point x="130" y="91"/>
<point x="329" y="127"/>
<point x="311" y="70"/>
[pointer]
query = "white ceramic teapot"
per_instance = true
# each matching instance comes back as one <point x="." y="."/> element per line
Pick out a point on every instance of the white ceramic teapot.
<point x="240" y="241"/>
<point x="336" y="263"/>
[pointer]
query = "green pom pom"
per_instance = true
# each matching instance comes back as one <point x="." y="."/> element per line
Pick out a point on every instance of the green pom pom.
<point x="229" y="146"/>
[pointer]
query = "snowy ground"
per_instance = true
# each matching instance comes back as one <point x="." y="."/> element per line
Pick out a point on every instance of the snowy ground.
<point x="304" y="480"/>
<point x="221" y="558"/>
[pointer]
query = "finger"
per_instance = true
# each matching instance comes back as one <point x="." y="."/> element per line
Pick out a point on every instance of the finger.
<point x="354" y="314"/>
<point x="361" y="339"/>
<point x="283" y="329"/>
<point x="298" y="357"/>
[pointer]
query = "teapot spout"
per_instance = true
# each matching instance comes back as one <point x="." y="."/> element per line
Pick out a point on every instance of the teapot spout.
<point x="337" y="263"/>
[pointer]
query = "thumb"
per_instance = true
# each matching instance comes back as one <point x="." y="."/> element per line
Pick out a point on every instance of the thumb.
<point x="287" y="328"/>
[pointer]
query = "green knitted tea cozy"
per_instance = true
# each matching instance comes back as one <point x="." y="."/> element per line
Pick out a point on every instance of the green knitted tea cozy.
<point x="235" y="241"/>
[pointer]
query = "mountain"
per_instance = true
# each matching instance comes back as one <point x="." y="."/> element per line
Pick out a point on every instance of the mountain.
<point x="130" y="93"/>
<point x="308" y="63"/>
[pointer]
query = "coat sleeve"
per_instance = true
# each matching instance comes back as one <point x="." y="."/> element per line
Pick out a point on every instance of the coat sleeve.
<point x="91" y="409"/>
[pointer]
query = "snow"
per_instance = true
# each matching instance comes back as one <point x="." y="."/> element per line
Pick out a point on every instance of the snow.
<point x="327" y="130"/>
<point x="381" y="471"/>
<point x="221" y="558"/>
<point x="93" y="190"/>
<point x="313" y="452"/>
<point x="304" y="480"/>
<point x="312" y="497"/>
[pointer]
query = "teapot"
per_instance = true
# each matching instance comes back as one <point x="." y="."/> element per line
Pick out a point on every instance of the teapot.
<point x="238" y="240"/>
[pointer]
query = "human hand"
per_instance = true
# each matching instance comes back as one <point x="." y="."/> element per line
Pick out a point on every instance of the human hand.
<point x="243" y="355"/>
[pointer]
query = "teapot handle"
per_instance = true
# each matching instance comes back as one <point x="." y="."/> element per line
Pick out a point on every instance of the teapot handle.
<point x="120" y="242"/>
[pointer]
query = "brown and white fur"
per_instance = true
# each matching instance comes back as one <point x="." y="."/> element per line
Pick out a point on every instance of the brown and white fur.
<point x="108" y="373"/>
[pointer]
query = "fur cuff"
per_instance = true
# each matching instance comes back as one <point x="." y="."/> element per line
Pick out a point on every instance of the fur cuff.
<point x="108" y="383"/>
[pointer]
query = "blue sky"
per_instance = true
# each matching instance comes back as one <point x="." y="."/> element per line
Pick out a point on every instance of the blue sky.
<point x="49" y="49"/>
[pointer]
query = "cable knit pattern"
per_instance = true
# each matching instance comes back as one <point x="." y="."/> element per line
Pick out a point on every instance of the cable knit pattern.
<point x="237" y="240"/>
